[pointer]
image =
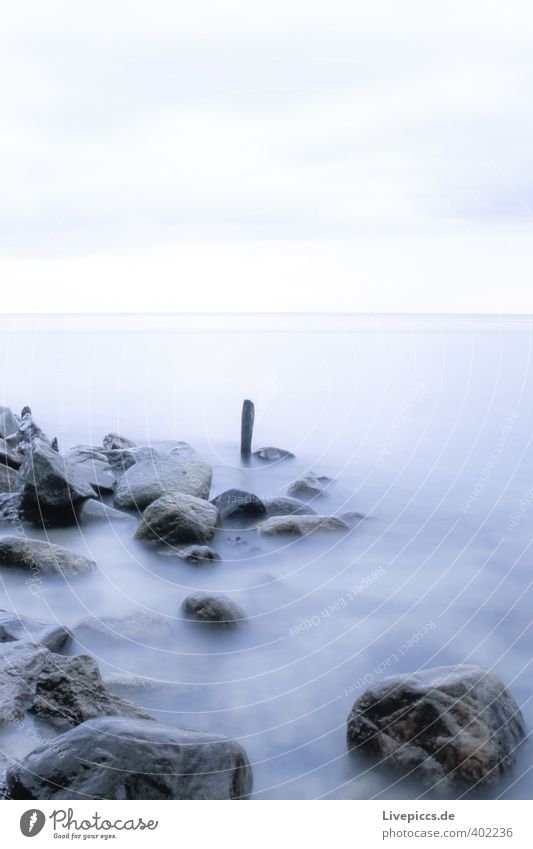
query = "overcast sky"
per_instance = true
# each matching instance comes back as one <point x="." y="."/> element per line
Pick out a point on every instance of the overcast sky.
<point x="365" y="156"/>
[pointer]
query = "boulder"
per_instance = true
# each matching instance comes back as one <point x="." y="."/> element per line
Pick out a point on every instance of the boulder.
<point x="272" y="455"/>
<point x="9" y="455"/>
<point x="14" y="627"/>
<point x="132" y="760"/>
<point x="50" y="487"/>
<point x="41" y="557"/>
<point x="183" y="450"/>
<point x="92" y="510"/>
<point x="299" y="526"/>
<point x="136" y="624"/>
<point x="149" y="479"/>
<point x="178" y="518"/>
<point x="29" y="430"/>
<point x="96" y="470"/>
<point x="63" y="690"/>
<point x="452" y="727"/>
<point x="114" y="441"/>
<point x="120" y="460"/>
<point x="236" y="504"/>
<point x="9" y="507"/>
<point x="207" y="607"/>
<point x="8" y="478"/>
<point x="8" y="423"/>
<point x="195" y="554"/>
<point x="282" y="505"/>
<point x="308" y="486"/>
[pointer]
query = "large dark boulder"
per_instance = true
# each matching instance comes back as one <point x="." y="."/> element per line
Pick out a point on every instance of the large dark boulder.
<point x="158" y="475"/>
<point x="94" y="468"/>
<point x="132" y="760"/>
<point x="176" y="519"/>
<point x="41" y="557"/>
<point x="452" y="727"/>
<point x="51" y="488"/>
<point x="62" y="690"/>
<point x="238" y="505"/>
<point x="14" y="628"/>
<point x="208" y="607"/>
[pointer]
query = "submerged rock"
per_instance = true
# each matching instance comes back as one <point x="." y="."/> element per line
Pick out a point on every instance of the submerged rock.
<point x="308" y="486"/>
<point x="207" y="607"/>
<point x="132" y="760"/>
<point x="50" y="487"/>
<point x="149" y="479"/>
<point x="65" y="690"/>
<point x="43" y="557"/>
<point x="195" y="554"/>
<point x="452" y="727"/>
<point x="93" y="510"/>
<point x="273" y="455"/>
<point x="183" y="450"/>
<point x="301" y="525"/>
<point x="136" y="624"/>
<point x="238" y="504"/>
<point x="14" y="627"/>
<point x="178" y="518"/>
<point x="8" y="478"/>
<point x="283" y="505"/>
<point x="114" y="441"/>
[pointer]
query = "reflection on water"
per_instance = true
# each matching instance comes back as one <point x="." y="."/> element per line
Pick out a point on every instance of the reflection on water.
<point x="425" y="427"/>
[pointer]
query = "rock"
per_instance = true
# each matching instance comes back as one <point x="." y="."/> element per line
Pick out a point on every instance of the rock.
<point x="96" y="472"/>
<point x="114" y="441"/>
<point x="184" y="451"/>
<point x="8" y="423"/>
<point x="41" y="557"/>
<point x="64" y="690"/>
<point x="282" y="505"/>
<point x="148" y="480"/>
<point x="136" y="624"/>
<point x="8" y="478"/>
<point x="93" y="510"/>
<point x="243" y="547"/>
<point x="9" y="455"/>
<point x="453" y="727"/>
<point x="29" y="431"/>
<point x="50" y="487"/>
<point x="9" y="507"/>
<point x="273" y="455"/>
<point x="206" y="607"/>
<point x="14" y="627"/>
<point x="308" y="486"/>
<point x="195" y="554"/>
<point x="178" y="518"/>
<point x="132" y="760"/>
<point x="122" y="460"/>
<point x="352" y="519"/>
<point x="300" y="525"/>
<point x="238" y="504"/>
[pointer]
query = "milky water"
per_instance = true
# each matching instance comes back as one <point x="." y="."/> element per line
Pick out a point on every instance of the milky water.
<point x="425" y="426"/>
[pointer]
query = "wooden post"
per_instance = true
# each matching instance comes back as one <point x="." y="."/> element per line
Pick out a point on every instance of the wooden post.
<point x="247" y="428"/>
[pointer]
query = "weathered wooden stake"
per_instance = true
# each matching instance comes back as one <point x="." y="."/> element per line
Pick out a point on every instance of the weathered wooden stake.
<point x="247" y="428"/>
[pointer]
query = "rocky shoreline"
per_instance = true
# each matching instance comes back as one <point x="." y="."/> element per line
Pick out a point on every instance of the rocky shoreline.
<point x="452" y="728"/>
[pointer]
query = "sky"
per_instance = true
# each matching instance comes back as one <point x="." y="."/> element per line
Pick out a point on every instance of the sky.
<point x="241" y="156"/>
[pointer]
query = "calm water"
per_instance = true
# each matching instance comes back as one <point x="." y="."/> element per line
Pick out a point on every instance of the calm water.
<point x="425" y="425"/>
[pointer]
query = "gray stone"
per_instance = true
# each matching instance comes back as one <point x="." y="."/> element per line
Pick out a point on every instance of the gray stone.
<point x="96" y="472"/>
<point x="14" y="627"/>
<point x="29" y="431"/>
<point x="132" y="760"/>
<point x="114" y="441"/>
<point x="8" y="423"/>
<point x="136" y="624"/>
<point x="63" y="690"/>
<point x="8" y="478"/>
<point x="236" y="504"/>
<point x="9" y="507"/>
<point x="273" y="455"/>
<point x="9" y="455"/>
<point x="177" y="519"/>
<point x="301" y="525"/>
<point x="282" y="505"/>
<point x="41" y="557"/>
<point x="183" y="450"/>
<point x="308" y="486"/>
<point x="195" y="554"/>
<point x="452" y="727"/>
<point x="148" y="480"/>
<point x="208" y="607"/>
<point x="50" y="487"/>
<point x="93" y="510"/>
